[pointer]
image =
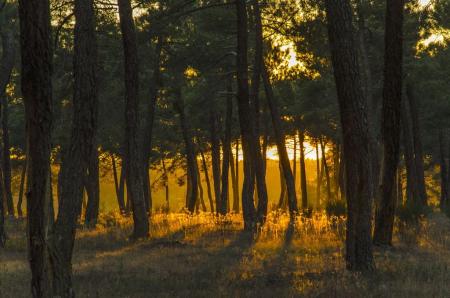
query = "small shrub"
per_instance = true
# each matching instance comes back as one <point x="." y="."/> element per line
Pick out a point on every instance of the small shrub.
<point x="336" y="208"/>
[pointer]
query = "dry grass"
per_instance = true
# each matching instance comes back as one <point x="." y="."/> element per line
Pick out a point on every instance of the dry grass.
<point x="202" y="256"/>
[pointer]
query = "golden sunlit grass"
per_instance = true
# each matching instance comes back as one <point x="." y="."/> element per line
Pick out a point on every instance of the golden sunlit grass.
<point x="206" y="256"/>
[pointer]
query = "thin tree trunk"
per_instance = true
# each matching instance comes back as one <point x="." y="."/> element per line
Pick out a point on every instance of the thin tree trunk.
<point x="392" y="95"/>
<point x="417" y="140"/>
<point x="303" y="185"/>
<point x="282" y="199"/>
<point x="208" y="182"/>
<point x="201" y="200"/>
<point x="356" y="135"/>
<point x="215" y="156"/>
<point x="226" y="145"/>
<point x="237" y="175"/>
<point x="444" y="172"/>
<point x="134" y="171"/>
<point x="191" y="197"/>
<point x="318" y="174"/>
<point x="37" y="93"/>
<point x="326" y="170"/>
<point x="166" y="184"/>
<point x="234" y="184"/>
<point x="155" y="85"/>
<point x="6" y="66"/>
<point x="118" y="185"/>
<point x="294" y="162"/>
<point x="22" y="187"/>
<point x="246" y="122"/>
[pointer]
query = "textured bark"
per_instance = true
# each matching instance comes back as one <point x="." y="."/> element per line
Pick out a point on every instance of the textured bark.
<point x="208" y="182"/>
<point x="35" y="42"/>
<point x="443" y="170"/>
<point x="246" y="123"/>
<point x="77" y="156"/>
<point x="226" y="145"/>
<point x="92" y="186"/>
<point x="155" y="85"/>
<point x="356" y="135"/>
<point x="303" y="185"/>
<point x="215" y="155"/>
<point x="6" y="66"/>
<point x="417" y="141"/>
<point x="392" y="95"/>
<point x="133" y="169"/>
<point x="192" y="193"/>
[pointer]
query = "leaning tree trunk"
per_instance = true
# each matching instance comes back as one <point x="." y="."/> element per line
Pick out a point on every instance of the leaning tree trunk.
<point x="392" y="95"/>
<point x="326" y="170"/>
<point x="93" y="191"/>
<point x="77" y="157"/>
<point x="134" y="178"/>
<point x="191" y="196"/>
<point x="417" y="140"/>
<point x="226" y="150"/>
<point x="208" y="182"/>
<point x="118" y="185"/>
<point x="303" y="185"/>
<point x="22" y="187"/>
<point x="6" y="66"/>
<point x="356" y="135"/>
<point x="444" y="171"/>
<point x="155" y="85"/>
<point x="246" y="123"/>
<point x="36" y="54"/>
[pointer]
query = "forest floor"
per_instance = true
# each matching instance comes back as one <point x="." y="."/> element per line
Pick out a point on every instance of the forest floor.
<point x="201" y="256"/>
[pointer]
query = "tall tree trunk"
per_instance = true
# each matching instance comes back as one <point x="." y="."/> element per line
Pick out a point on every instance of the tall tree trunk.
<point x="399" y="187"/>
<point x="6" y="66"/>
<point x="93" y="191"/>
<point x="134" y="171"/>
<point x="118" y="184"/>
<point x="326" y="170"/>
<point x="245" y="119"/>
<point x="166" y="184"/>
<point x="412" y="190"/>
<point x="234" y="183"/>
<point x="226" y="145"/>
<point x="215" y="155"/>
<point x="191" y="197"/>
<point x="155" y="85"/>
<point x="282" y="199"/>
<point x="37" y="93"/>
<point x="77" y="157"/>
<point x="318" y="174"/>
<point x="237" y="173"/>
<point x="392" y="95"/>
<point x="444" y="170"/>
<point x="356" y="135"/>
<point x="417" y="139"/>
<point x="303" y="185"/>
<point x="294" y="162"/>
<point x="208" y="182"/>
<point x="23" y="175"/>
<point x="200" y="200"/>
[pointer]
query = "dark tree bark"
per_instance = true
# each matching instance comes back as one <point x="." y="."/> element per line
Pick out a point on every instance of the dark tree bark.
<point x="246" y="123"/>
<point x="417" y="141"/>
<point x="326" y="170"/>
<point x="234" y="183"/>
<point x="282" y="200"/>
<point x="92" y="186"/>
<point x="226" y="150"/>
<point x="303" y="185"/>
<point x="118" y="185"/>
<point x="200" y="200"/>
<point x="392" y="95"/>
<point x="318" y="174"/>
<point x="443" y="170"/>
<point x="23" y="175"/>
<point x="294" y="162"/>
<point x="236" y="160"/>
<point x="155" y="85"/>
<point x="166" y="184"/>
<point x="215" y="155"/>
<point x="257" y="162"/>
<point x="208" y="182"/>
<point x="35" y="42"/>
<point x="134" y="178"/>
<point x="280" y="140"/>
<point x="77" y="157"/>
<point x="6" y="66"/>
<point x="356" y="135"/>
<point x="192" y="194"/>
